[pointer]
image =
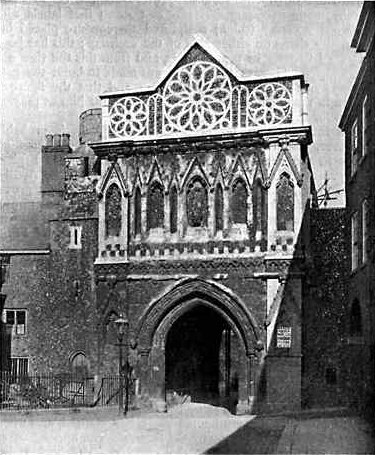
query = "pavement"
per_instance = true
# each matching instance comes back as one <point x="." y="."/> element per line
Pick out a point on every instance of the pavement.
<point x="336" y="435"/>
<point x="193" y="428"/>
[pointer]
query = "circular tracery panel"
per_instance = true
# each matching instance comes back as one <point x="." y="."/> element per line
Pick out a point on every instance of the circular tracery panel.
<point x="128" y="117"/>
<point x="197" y="97"/>
<point x="269" y="103"/>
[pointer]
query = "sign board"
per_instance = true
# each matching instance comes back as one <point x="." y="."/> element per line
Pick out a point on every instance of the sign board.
<point x="284" y="337"/>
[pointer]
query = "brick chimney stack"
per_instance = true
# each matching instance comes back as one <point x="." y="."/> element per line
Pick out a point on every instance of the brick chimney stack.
<point x="53" y="166"/>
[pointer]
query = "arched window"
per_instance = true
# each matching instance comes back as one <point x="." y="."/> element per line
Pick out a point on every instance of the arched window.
<point x="79" y="365"/>
<point x="155" y="206"/>
<point x="219" y="206"/>
<point x="137" y="212"/>
<point x="173" y="207"/>
<point x="113" y="211"/>
<point x="355" y="319"/>
<point x="285" y="204"/>
<point x="258" y="206"/>
<point x="239" y="202"/>
<point x="197" y="203"/>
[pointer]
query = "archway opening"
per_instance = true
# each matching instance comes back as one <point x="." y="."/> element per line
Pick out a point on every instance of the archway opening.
<point x="201" y="360"/>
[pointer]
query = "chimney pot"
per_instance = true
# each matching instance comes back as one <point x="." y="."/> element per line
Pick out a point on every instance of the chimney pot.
<point x="65" y="139"/>
<point x="57" y="140"/>
<point x="49" y="140"/>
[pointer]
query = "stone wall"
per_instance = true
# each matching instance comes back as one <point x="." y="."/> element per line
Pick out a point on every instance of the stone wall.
<point x="325" y="310"/>
<point x="57" y="289"/>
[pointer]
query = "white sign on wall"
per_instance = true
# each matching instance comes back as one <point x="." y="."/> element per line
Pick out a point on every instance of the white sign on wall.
<point x="284" y="337"/>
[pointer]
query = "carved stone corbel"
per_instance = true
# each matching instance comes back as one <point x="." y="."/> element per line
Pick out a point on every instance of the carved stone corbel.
<point x="284" y="142"/>
<point x="112" y="157"/>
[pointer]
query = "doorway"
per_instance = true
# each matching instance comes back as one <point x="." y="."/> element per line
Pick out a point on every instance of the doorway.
<point x="198" y="358"/>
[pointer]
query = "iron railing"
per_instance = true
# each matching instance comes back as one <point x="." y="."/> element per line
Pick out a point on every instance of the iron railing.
<point x="50" y="391"/>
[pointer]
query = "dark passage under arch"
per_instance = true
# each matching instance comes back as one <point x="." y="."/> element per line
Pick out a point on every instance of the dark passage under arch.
<point x="198" y="358"/>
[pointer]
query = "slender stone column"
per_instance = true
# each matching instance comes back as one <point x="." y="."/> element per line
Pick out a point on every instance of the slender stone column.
<point x="226" y="197"/>
<point x="143" y="374"/>
<point x="144" y="213"/>
<point x="247" y="388"/>
<point x="167" y="212"/>
<point x="156" y="367"/>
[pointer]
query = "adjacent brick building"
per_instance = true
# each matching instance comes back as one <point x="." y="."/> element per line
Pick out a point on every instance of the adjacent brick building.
<point x="186" y="208"/>
<point x="358" y="124"/>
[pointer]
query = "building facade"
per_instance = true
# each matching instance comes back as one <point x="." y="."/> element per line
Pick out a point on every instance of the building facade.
<point x="358" y="124"/>
<point x="186" y="209"/>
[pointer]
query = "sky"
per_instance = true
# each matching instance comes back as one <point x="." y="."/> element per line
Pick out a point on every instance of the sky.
<point x="57" y="57"/>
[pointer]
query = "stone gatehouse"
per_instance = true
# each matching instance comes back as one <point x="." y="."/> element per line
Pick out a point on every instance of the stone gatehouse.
<point x="186" y="208"/>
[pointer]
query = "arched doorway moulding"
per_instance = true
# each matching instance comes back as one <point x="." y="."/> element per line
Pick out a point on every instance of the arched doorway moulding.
<point x="160" y="335"/>
<point x="166" y="309"/>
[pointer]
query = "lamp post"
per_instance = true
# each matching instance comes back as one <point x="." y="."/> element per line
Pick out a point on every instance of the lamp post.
<point x="122" y="329"/>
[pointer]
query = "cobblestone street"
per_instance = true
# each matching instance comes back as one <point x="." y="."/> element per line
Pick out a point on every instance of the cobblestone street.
<point x="192" y="429"/>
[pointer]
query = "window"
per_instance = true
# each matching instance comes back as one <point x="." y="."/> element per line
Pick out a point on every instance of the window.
<point x="331" y="376"/>
<point x="285" y="204"/>
<point x="354" y="147"/>
<point x="155" y="206"/>
<point x="75" y="237"/>
<point x="17" y="319"/>
<point x="219" y="206"/>
<point x="137" y="212"/>
<point x="258" y="206"/>
<point x="79" y="364"/>
<point x="355" y="328"/>
<point x="239" y="202"/>
<point x="19" y="366"/>
<point x="365" y="229"/>
<point x="354" y="227"/>
<point x="197" y="203"/>
<point x="113" y="211"/>
<point x="173" y="207"/>
<point x="364" y="125"/>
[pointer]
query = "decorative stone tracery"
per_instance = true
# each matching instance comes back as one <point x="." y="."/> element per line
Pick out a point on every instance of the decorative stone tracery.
<point x="269" y="103"/>
<point x="179" y="198"/>
<point x="128" y="117"/>
<point x="197" y="97"/>
<point x="200" y="96"/>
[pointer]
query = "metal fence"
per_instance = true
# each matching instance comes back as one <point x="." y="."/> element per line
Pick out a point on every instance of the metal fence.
<point x="109" y="391"/>
<point x="18" y="392"/>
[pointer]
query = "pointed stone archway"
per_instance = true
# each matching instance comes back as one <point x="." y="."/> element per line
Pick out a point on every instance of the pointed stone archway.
<point x="184" y="339"/>
<point x="203" y="358"/>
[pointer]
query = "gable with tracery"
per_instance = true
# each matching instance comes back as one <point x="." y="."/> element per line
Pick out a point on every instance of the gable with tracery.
<point x="200" y="95"/>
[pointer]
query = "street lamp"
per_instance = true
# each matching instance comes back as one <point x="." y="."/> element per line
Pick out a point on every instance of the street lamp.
<point x="122" y="326"/>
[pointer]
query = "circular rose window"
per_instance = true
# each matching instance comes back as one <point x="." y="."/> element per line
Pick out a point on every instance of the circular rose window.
<point x="269" y="103"/>
<point x="128" y="117"/>
<point x="197" y="97"/>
